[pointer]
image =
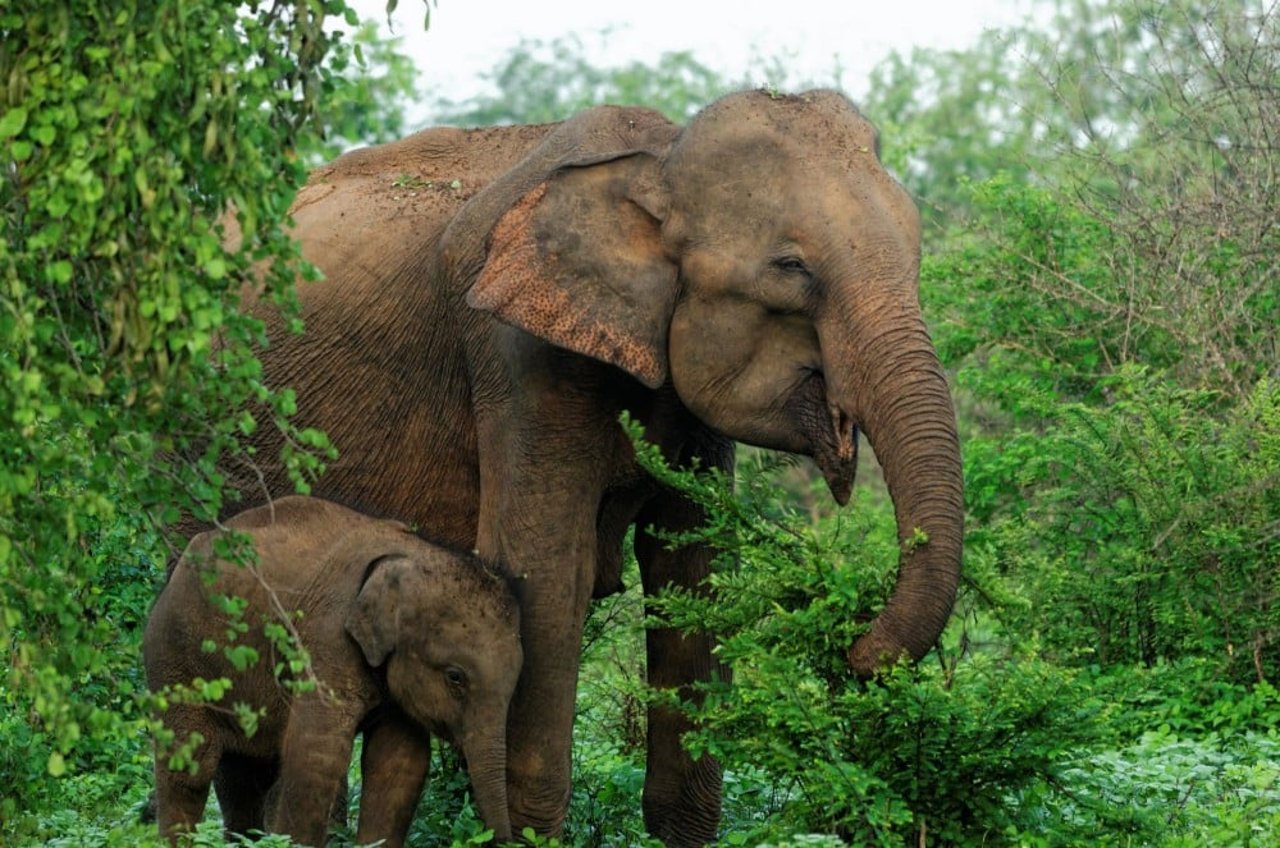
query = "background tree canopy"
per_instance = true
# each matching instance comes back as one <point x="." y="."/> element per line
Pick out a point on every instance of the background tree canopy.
<point x="541" y="81"/>
<point x="1101" y="279"/>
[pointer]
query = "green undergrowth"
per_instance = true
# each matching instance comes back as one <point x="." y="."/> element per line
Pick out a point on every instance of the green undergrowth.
<point x="979" y="744"/>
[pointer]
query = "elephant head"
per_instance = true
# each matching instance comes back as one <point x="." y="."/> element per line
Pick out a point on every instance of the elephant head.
<point x="448" y="632"/>
<point x="765" y="264"/>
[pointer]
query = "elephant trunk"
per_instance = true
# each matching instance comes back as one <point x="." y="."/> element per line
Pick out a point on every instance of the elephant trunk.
<point x="891" y="384"/>
<point x="486" y="753"/>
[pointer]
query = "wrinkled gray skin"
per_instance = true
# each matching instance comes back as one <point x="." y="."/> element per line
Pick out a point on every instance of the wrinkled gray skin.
<point x="495" y="298"/>
<point x="405" y="638"/>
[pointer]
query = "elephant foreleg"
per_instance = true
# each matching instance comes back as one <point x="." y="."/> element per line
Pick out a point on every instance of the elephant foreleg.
<point x="538" y="515"/>
<point x="313" y="764"/>
<point x="393" y="769"/>
<point x="540" y="720"/>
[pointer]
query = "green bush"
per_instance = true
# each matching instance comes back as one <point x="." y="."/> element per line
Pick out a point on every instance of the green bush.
<point x="127" y="133"/>
<point x="933" y="751"/>
<point x="1136" y="531"/>
<point x="1123" y="491"/>
<point x="1114" y="326"/>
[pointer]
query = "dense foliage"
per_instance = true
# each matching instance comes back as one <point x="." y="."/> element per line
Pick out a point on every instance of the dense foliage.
<point x="1101" y="280"/>
<point x="128" y="130"/>
<point x="1117" y="332"/>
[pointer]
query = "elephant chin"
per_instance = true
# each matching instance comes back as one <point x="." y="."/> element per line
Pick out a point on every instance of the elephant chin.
<point x="833" y="445"/>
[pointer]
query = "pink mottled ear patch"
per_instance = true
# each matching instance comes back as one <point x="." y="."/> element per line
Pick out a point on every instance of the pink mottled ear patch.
<point x="606" y="301"/>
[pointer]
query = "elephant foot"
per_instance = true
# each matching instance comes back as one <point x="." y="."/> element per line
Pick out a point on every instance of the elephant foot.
<point x="687" y="814"/>
<point x="542" y="808"/>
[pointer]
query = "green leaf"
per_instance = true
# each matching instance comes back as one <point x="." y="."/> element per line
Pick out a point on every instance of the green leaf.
<point x="216" y="268"/>
<point x="58" y="205"/>
<point x="12" y="122"/>
<point x="60" y="271"/>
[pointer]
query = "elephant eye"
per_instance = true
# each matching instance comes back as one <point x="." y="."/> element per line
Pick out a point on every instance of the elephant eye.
<point x="456" y="679"/>
<point x="791" y="265"/>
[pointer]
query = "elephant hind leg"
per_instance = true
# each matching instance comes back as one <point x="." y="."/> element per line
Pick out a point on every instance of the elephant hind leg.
<point x="681" y="794"/>
<point x="181" y="795"/>
<point x="242" y="785"/>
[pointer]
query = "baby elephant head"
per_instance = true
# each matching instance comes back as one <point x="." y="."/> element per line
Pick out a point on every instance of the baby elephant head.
<point x="448" y="630"/>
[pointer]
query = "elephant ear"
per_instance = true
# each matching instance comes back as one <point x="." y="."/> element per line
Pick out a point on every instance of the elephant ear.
<point x="374" y="618"/>
<point x="578" y="261"/>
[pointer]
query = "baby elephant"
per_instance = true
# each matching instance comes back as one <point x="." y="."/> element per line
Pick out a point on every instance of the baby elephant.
<point x="404" y="637"/>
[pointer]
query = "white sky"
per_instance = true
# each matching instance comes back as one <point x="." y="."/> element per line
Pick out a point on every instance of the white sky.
<point x="468" y="37"/>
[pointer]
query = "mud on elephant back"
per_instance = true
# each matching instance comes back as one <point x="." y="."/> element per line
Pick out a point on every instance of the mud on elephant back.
<point x="751" y="276"/>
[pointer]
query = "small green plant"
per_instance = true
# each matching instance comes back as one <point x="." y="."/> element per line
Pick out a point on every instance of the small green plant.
<point x="411" y="181"/>
<point x="1168" y="790"/>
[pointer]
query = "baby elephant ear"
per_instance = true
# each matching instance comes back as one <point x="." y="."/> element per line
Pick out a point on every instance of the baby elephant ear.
<point x="374" y="618"/>
<point x="578" y="261"/>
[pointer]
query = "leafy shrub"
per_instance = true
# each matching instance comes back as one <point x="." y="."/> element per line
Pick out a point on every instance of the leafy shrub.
<point x="930" y="752"/>
<point x="1114" y="327"/>
<point x="1136" y="531"/>
<point x="126" y="134"/>
<point x="109" y="756"/>
<point x="122" y="143"/>
<point x="1191" y="698"/>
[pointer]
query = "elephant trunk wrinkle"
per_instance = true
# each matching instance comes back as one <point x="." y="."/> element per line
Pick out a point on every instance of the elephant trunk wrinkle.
<point x="892" y="383"/>
<point x="487" y="768"/>
<point x="922" y="471"/>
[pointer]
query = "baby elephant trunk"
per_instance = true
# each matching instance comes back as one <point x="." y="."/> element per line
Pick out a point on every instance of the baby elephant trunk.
<point x="486" y="753"/>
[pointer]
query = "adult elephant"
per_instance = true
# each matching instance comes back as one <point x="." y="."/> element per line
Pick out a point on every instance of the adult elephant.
<point x="496" y="297"/>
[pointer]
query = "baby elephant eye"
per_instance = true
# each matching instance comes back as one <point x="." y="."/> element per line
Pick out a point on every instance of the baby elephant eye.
<point x="455" y="677"/>
<point x="791" y="265"/>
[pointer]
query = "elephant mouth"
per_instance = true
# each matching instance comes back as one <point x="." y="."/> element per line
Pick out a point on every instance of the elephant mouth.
<point x="831" y="433"/>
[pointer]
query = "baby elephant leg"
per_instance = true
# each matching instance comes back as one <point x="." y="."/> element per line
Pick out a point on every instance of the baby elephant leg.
<point x="313" y="763"/>
<point x="180" y="795"/>
<point x="242" y="785"/>
<point x="393" y="768"/>
<point x="337" y="814"/>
